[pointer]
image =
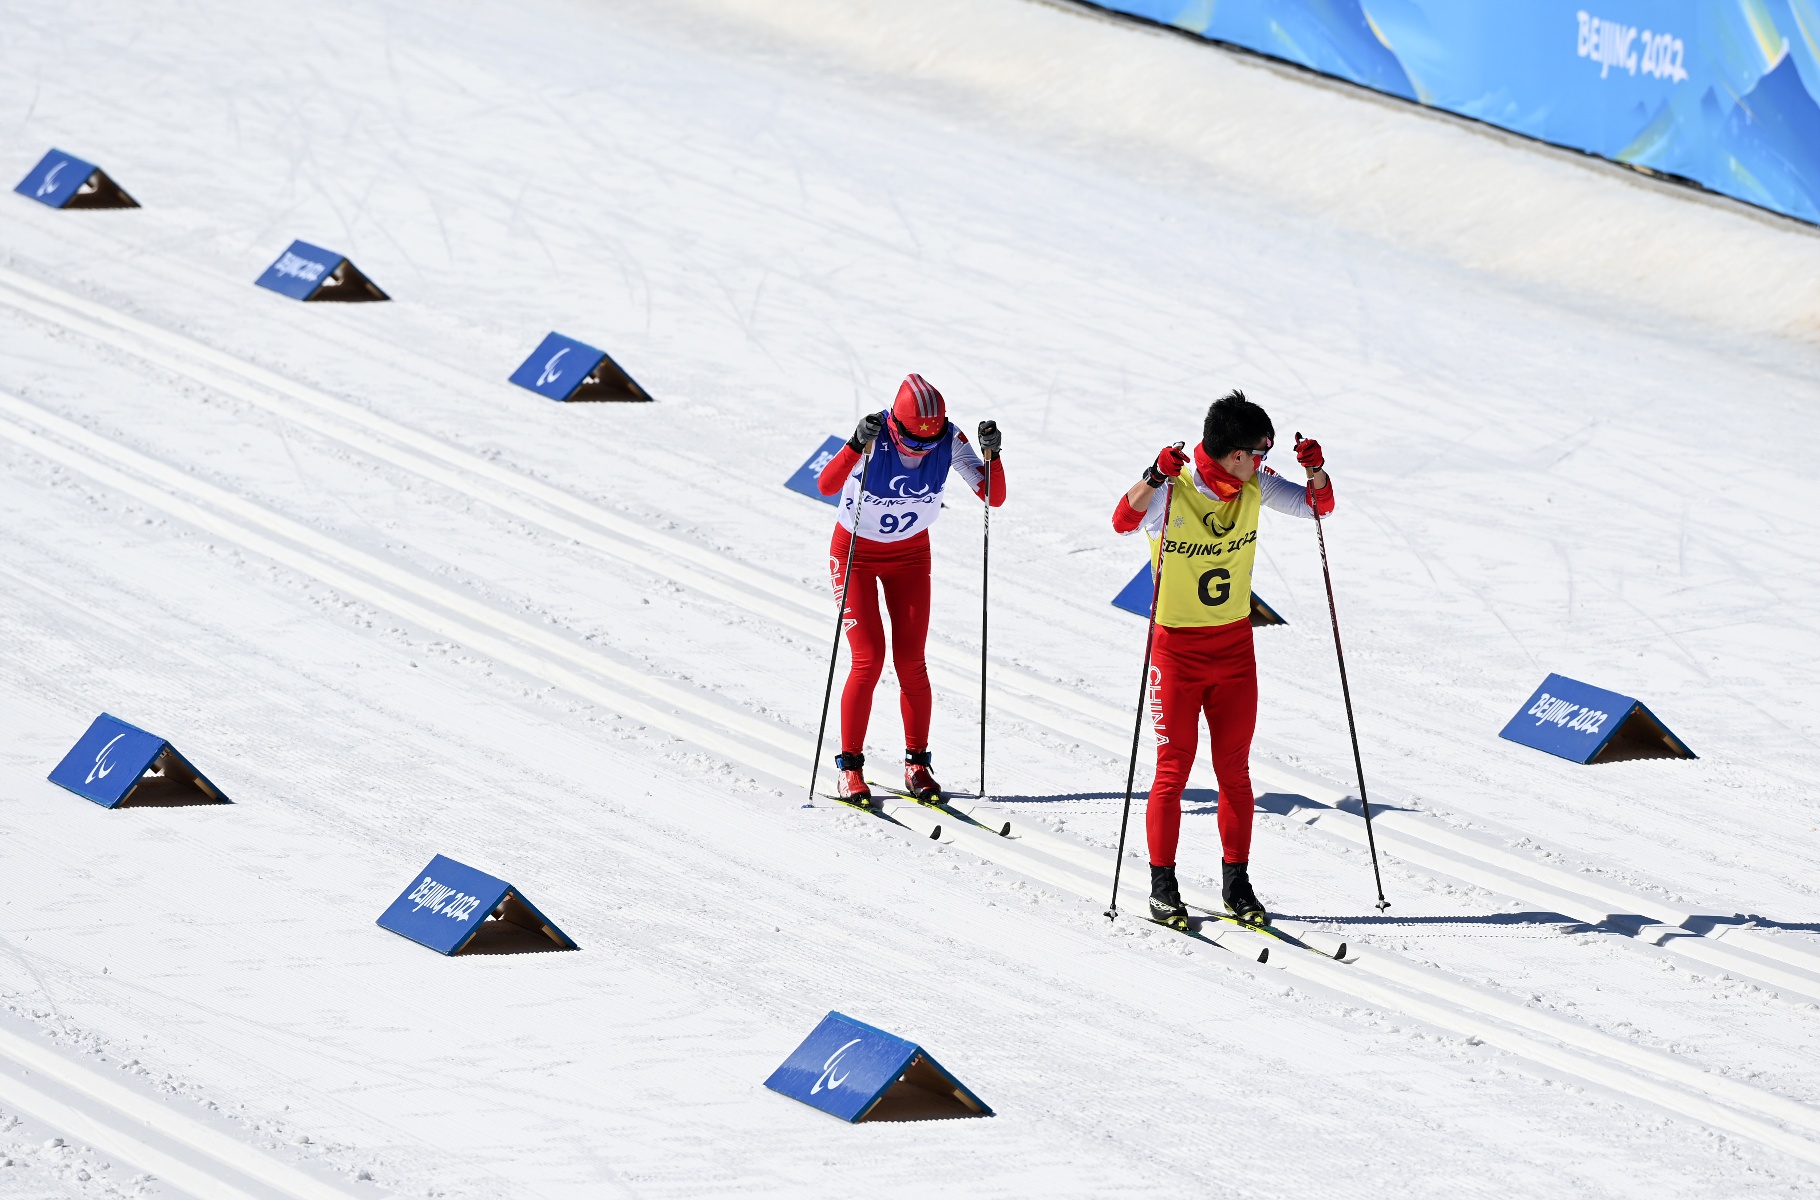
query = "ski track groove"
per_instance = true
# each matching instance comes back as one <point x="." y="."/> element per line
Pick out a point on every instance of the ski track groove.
<point x="127" y="1111"/>
<point x="509" y="491"/>
<point x="1376" y="978"/>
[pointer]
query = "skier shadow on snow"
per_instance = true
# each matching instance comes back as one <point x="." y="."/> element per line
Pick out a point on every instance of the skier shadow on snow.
<point x="1282" y="804"/>
<point x="1198" y="802"/>
<point x="1057" y="798"/>
<point x="1206" y="801"/>
<point x="1703" y="924"/>
<point x="1553" y="923"/>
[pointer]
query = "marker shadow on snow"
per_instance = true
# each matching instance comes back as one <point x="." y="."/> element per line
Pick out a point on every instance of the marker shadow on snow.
<point x="504" y="937"/>
<point x="169" y="790"/>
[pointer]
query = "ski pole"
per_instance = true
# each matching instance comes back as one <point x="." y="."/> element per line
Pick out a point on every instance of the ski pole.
<point x="840" y="614"/>
<point x="1137" y="728"/>
<point x="985" y="580"/>
<point x="1352" y="728"/>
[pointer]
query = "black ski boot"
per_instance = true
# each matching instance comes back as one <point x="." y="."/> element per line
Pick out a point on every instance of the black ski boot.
<point x="917" y="778"/>
<point x="1241" y="901"/>
<point x="1166" y="899"/>
<point x="850" y="785"/>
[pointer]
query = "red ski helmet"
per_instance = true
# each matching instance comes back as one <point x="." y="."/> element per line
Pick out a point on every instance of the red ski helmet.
<point x="920" y="413"/>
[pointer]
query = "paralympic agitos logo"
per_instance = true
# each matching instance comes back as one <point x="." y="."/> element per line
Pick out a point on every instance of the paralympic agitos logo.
<point x="828" y="1077"/>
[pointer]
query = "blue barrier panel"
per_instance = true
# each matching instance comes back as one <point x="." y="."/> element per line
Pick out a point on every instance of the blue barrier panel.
<point x="65" y="181"/>
<point x="1585" y="724"/>
<point x="110" y="762"/>
<point x="859" y="1073"/>
<point x="306" y="272"/>
<point x="1722" y="94"/>
<point x="448" y="903"/>
<point x="1135" y="598"/>
<point x="804" y="479"/>
<point x="562" y="368"/>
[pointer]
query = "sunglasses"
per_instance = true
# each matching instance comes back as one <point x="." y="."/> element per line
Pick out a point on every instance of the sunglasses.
<point x="915" y="442"/>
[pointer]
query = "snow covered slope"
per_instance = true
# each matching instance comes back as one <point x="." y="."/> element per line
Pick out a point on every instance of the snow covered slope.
<point x="396" y="607"/>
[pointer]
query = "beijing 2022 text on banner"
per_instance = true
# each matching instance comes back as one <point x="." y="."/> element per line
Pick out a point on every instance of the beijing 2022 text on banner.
<point x="1722" y="93"/>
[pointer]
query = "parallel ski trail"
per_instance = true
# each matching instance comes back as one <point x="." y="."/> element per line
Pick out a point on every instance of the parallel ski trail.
<point x="115" y="1120"/>
<point x="1414" y="839"/>
<point x="1379" y="979"/>
<point x="529" y="499"/>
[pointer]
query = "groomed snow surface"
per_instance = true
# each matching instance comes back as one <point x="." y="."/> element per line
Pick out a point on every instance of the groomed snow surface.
<point x="396" y="607"/>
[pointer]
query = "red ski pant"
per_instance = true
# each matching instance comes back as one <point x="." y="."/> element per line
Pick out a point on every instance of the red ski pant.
<point x="902" y="570"/>
<point x="1193" y="671"/>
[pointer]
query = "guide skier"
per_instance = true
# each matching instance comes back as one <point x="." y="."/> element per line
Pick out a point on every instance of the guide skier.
<point x="913" y="447"/>
<point x="1201" y="649"/>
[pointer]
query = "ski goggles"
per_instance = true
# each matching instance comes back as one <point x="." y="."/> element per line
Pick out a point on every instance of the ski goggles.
<point x="918" y="444"/>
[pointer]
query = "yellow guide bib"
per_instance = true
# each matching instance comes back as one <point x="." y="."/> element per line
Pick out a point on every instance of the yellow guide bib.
<point x="1207" y="552"/>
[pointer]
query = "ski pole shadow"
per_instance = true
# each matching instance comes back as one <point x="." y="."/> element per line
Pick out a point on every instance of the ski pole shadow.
<point x="1057" y="798"/>
<point x="1557" y="922"/>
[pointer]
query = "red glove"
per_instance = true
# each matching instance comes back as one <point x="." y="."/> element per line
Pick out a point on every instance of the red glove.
<point x="1308" y="453"/>
<point x="1169" y="463"/>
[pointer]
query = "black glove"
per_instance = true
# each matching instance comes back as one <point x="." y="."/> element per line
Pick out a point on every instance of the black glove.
<point x="990" y="439"/>
<point x="870" y="426"/>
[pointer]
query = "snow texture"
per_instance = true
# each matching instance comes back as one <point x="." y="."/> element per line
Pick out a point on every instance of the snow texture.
<point x="395" y="607"/>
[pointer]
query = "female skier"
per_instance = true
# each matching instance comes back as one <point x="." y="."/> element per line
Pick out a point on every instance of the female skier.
<point x="1201" y="655"/>
<point x="913" y="447"/>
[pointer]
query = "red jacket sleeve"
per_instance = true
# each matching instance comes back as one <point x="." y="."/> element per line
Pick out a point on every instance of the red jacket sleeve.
<point x="834" y="475"/>
<point x="1323" y="498"/>
<point x="996" y="483"/>
<point x="1126" y="518"/>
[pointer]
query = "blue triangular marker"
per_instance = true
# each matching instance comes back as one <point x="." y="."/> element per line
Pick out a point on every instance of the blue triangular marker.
<point x="1585" y="724"/>
<point x="447" y="902"/>
<point x="857" y="1072"/>
<point x="803" y="481"/>
<point x="306" y="272"/>
<point x="562" y="368"/>
<point x="112" y="759"/>
<point x="65" y="181"/>
<point x="1135" y="598"/>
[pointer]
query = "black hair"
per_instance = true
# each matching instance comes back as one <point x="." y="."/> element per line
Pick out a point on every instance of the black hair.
<point x="1234" y="423"/>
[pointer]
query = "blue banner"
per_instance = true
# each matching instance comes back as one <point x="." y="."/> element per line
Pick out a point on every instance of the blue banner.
<point x="1721" y="94"/>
